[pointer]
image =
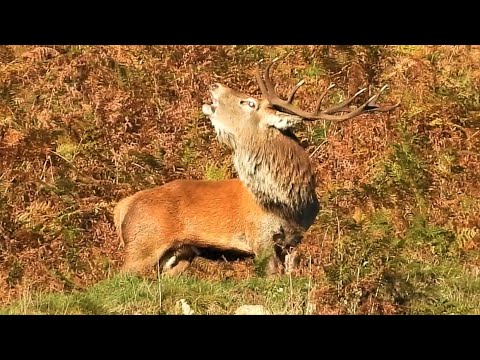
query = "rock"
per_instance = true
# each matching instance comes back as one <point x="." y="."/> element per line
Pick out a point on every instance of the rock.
<point x="186" y="309"/>
<point x="292" y="261"/>
<point x="252" y="310"/>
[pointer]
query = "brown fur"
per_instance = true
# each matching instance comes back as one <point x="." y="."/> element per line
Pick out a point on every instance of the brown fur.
<point x="278" y="172"/>
<point x="171" y="224"/>
<point x="267" y="156"/>
<point x="263" y="213"/>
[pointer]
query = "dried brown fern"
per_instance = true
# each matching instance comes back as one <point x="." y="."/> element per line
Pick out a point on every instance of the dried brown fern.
<point x="40" y="53"/>
<point x="6" y="54"/>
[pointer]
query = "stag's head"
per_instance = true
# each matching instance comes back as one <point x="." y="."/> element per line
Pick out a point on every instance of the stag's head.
<point x="267" y="156"/>
<point x="235" y="116"/>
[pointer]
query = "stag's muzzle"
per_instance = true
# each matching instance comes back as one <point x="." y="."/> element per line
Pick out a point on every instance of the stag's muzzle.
<point x="209" y="109"/>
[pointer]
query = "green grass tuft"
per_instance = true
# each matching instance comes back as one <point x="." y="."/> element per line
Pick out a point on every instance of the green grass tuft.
<point x="123" y="294"/>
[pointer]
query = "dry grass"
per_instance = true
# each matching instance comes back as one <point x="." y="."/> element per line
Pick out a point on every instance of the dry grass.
<point x="399" y="231"/>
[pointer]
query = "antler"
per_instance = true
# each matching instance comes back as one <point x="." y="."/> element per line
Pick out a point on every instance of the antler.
<point x="267" y="88"/>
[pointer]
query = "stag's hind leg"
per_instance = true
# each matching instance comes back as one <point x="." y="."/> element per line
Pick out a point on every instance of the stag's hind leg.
<point x="140" y="257"/>
<point x="182" y="259"/>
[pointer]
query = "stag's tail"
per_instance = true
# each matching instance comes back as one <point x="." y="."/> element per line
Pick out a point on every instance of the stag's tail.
<point x="119" y="213"/>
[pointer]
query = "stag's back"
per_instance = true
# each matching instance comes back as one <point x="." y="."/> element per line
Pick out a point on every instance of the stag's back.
<point x="194" y="211"/>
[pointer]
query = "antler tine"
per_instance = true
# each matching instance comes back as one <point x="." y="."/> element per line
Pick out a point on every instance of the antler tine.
<point x="267" y="88"/>
<point x="268" y="82"/>
<point x="260" y="82"/>
<point x="371" y="106"/>
<point x="375" y="97"/>
<point x="294" y="91"/>
<point x="386" y="108"/>
<point x="319" y="102"/>
<point x="368" y="106"/>
<point x="343" y="105"/>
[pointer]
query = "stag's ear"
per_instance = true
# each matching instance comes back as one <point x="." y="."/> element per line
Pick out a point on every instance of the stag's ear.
<point x="281" y="121"/>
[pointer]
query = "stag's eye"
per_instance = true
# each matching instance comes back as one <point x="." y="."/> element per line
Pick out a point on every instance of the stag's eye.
<point x="249" y="103"/>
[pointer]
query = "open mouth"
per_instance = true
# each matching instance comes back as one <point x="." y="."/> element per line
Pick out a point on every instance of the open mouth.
<point x="209" y="109"/>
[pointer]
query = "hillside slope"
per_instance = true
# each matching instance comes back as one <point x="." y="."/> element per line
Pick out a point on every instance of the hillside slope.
<point x="399" y="230"/>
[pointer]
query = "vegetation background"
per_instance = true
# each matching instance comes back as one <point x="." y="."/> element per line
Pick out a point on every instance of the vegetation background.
<point x="83" y="126"/>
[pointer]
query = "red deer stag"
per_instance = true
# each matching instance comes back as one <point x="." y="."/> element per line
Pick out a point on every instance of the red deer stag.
<point x="264" y="212"/>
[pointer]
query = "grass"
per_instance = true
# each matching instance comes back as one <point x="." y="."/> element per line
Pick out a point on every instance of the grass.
<point x="83" y="126"/>
<point x="420" y="271"/>
<point x="126" y="295"/>
<point x="216" y="172"/>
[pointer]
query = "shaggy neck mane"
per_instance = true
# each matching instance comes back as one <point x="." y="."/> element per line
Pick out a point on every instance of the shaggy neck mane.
<point x="278" y="172"/>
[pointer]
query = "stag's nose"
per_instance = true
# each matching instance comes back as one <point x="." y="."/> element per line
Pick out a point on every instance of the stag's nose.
<point x="297" y="240"/>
